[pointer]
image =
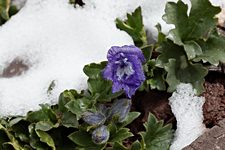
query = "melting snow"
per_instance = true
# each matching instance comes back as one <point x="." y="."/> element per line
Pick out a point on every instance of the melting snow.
<point x="187" y="109"/>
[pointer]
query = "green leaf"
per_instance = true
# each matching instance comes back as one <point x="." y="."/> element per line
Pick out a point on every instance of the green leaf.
<point x="120" y="135"/>
<point x="176" y="13"/>
<point x="81" y="138"/>
<point x="44" y="114"/>
<point x="99" y="86"/>
<point x="46" y="138"/>
<point x="4" y="8"/>
<point x="130" y="118"/>
<point x="213" y="49"/>
<point x="93" y="70"/>
<point x="69" y="120"/>
<point x="118" y="146"/>
<point x="161" y="36"/>
<point x="191" y="73"/>
<point x="65" y="97"/>
<point x="156" y="77"/>
<point x="136" y="145"/>
<point x="35" y="140"/>
<point x="156" y="136"/>
<point x="197" y="25"/>
<point x="100" y="89"/>
<point x="79" y="106"/>
<point x="12" y="140"/>
<point x="134" y="27"/>
<point x="147" y="51"/>
<point x="192" y="49"/>
<point x="44" y="125"/>
<point x="179" y="69"/>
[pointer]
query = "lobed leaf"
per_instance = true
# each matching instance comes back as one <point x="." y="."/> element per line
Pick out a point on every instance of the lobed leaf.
<point x="197" y="25"/>
<point x="213" y="49"/>
<point x="134" y="27"/>
<point x="157" y="136"/>
<point x="179" y="68"/>
<point x="120" y="135"/>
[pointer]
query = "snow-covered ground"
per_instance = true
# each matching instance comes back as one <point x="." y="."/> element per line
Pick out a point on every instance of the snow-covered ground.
<point x="56" y="40"/>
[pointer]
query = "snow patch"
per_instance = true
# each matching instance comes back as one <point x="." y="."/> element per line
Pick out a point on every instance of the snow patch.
<point x="55" y="40"/>
<point x="187" y="109"/>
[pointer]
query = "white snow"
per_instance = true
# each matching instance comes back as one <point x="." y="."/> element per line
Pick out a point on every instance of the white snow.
<point x="56" y="40"/>
<point x="187" y="109"/>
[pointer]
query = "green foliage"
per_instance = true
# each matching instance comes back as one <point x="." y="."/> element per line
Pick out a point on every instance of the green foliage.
<point x="156" y="136"/>
<point x="196" y="25"/>
<point x="182" y="58"/>
<point x="213" y="49"/>
<point x="62" y="125"/>
<point x="194" y="43"/>
<point x="155" y="76"/>
<point x="174" y="60"/>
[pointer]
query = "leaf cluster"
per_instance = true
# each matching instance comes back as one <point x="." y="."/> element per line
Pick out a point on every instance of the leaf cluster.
<point x="185" y="53"/>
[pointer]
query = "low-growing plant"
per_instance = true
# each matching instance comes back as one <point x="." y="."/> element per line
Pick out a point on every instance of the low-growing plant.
<point x="97" y="118"/>
<point x="94" y="119"/>
<point x="185" y="53"/>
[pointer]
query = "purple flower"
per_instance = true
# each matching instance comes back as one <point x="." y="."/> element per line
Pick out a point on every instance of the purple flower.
<point x="120" y="109"/>
<point x="100" y="135"/>
<point x="93" y="118"/>
<point x="124" y="68"/>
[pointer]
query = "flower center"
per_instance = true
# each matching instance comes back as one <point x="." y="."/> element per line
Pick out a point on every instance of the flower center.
<point x="125" y="70"/>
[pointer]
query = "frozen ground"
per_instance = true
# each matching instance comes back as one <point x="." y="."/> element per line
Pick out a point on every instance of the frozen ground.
<point x="55" y="41"/>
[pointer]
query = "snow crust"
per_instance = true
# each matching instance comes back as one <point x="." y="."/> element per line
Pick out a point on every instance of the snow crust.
<point x="56" y="40"/>
<point x="187" y="109"/>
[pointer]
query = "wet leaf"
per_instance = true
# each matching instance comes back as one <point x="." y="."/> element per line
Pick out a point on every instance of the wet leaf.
<point x="120" y="135"/>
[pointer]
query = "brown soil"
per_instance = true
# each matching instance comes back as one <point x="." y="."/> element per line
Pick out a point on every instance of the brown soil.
<point x="155" y="102"/>
<point x="214" y="107"/>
